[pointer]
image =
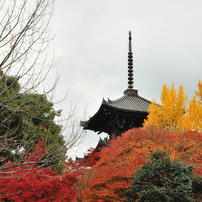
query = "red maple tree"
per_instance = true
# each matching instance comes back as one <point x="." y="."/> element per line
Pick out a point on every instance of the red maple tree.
<point x="112" y="173"/>
<point x="28" y="181"/>
<point x="83" y="168"/>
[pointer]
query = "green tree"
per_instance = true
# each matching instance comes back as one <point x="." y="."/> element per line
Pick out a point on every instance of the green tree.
<point x="26" y="118"/>
<point x="26" y="92"/>
<point x="162" y="179"/>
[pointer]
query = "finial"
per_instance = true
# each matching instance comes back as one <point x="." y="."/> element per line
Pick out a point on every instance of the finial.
<point x="130" y="45"/>
<point x="130" y="63"/>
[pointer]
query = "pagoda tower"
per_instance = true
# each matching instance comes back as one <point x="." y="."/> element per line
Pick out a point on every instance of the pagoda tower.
<point x="114" y="117"/>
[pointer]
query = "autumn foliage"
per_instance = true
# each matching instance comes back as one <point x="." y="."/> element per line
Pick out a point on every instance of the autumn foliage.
<point x="113" y="171"/>
<point x="174" y="113"/>
<point x="28" y="181"/>
<point x="83" y="169"/>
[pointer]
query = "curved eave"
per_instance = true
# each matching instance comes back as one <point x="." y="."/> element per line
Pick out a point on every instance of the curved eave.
<point x="103" y="114"/>
<point x="84" y="124"/>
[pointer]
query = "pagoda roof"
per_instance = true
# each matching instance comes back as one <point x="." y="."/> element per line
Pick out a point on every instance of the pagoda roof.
<point x="130" y="109"/>
<point x="130" y="102"/>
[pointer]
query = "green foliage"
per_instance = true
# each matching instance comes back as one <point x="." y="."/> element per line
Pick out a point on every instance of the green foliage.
<point x="197" y="187"/>
<point x="26" y="118"/>
<point x="162" y="179"/>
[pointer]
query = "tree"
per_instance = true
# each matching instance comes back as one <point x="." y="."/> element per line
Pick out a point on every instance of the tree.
<point x="193" y="114"/>
<point x="162" y="179"/>
<point x="32" y="121"/>
<point x="27" y="181"/>
<point x="26" y="97"/>
<point x="82" y="167"/>
<point x="174" y="114"/>
<point x="112" y="173"/>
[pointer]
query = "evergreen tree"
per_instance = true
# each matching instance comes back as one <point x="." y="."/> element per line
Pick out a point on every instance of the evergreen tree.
<point x="162" y="179"/>
<point x="26" y="118"/>
<point x="26" y="61"/>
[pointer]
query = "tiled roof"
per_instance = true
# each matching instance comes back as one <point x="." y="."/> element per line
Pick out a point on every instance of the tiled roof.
<point x="129" y="102"/>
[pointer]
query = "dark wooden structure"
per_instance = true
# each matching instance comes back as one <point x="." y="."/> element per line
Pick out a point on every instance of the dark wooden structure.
<point x="114" y="117"/>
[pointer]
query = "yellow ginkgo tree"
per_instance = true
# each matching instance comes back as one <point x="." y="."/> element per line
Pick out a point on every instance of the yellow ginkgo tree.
<point x="174" y="113"/>
<point x="193" y="115"/>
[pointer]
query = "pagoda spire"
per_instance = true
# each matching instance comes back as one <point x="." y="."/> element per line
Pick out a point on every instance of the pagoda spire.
<point x="130" y="63"/>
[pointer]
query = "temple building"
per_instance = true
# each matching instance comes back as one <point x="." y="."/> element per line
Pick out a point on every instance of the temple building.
<point x="114" y="117"/>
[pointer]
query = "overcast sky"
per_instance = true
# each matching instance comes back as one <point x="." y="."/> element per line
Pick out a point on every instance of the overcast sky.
<point x="92" y="44"/>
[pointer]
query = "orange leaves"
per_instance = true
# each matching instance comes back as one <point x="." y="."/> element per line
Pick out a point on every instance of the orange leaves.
<point x="139" y="160"/>
<point x="3" y="159"/>
<point x="113" y="171"/>
<point x="43" y="127"/>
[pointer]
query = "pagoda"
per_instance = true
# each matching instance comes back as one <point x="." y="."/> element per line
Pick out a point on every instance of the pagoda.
<point x="114" y="117"/>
